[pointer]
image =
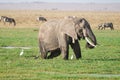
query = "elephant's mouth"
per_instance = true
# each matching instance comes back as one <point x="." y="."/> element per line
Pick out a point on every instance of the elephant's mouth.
<point x="90" y="44"/>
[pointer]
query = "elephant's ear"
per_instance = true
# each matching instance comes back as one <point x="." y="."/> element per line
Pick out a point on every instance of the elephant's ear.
<point x="67" y="27"/>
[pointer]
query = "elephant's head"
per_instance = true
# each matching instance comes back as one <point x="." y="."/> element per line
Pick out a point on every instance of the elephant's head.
<point x="78" y="28"/>
<point x="83" y="30"/>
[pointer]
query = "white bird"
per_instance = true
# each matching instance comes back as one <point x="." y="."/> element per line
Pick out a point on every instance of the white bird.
<point x="72" y="56"/>
<point x="21" y="53"/>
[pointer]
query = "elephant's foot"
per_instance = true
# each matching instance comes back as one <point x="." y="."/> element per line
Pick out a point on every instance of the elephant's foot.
<point x="43" y="55"/>
<point x="78" y="55"/>
<point x="65" y="57"/>
<point x="49" y="57"/>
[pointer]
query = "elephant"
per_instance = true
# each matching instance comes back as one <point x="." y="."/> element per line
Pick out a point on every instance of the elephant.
<point x="55" y="36"/>
<point x="106" y="25"/>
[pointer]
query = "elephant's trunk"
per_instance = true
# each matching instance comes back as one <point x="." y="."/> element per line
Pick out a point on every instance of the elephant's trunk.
<point x="89" y="37"/>
<point x="92" y="37"/>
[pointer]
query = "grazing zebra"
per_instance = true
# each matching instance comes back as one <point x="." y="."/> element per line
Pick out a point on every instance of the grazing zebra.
<point x="7" y="19"/>
<point x="105" y="25"/>
<point x="41" y="19"/>
<point x="10" y="20"/>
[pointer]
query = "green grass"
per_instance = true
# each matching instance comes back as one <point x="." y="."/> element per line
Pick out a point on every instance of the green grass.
<point x="101" y="63"/>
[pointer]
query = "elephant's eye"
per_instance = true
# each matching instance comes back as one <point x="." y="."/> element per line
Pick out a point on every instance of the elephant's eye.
<point x="80" y="32"/>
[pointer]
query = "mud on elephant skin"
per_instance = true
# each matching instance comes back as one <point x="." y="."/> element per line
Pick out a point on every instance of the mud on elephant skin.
<point x="55" y="36"/>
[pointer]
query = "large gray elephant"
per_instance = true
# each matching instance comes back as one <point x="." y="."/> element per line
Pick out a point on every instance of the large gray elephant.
<point x="55" y="36"/>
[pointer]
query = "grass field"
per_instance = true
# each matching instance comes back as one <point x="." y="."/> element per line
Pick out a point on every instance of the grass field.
<point x="101" y="63"/>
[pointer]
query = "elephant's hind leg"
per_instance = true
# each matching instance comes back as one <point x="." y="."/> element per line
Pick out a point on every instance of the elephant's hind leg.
<point x="65" y="52"/>
<point x="54" y="53"/>
<point x="42" y="51"/>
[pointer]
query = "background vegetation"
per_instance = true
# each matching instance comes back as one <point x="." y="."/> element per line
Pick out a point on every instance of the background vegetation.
<point x="101" y="63"/>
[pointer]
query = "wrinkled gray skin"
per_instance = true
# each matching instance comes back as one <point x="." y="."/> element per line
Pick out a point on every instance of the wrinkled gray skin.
<point x="55" y="37"/>
<point x="105" y="25"/>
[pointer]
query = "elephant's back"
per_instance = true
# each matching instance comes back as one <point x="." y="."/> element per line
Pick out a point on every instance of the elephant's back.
<point x="48" y="35"/>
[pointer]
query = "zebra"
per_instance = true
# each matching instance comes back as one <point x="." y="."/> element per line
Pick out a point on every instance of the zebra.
<point x="106" y="25"/>
<point x="41" y="19"/>
<point x="7" y="19"/>
<point x="10" y="20"/>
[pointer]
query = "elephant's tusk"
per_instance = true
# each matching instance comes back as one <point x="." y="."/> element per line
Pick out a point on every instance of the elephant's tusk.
<point x="89" y="42"/>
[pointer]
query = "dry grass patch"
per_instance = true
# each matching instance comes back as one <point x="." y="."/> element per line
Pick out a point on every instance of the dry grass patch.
<point x="27" y="18"/>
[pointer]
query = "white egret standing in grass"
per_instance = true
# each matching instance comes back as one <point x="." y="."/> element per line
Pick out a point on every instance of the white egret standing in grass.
<point x="21" y="53"/>
<point x="72" y="56"/>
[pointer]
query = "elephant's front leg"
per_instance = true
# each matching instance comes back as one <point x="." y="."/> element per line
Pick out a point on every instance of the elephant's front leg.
<point x="64" y="47"/>
<point x="65" y="53"/>
<point x="76" y="48"/>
